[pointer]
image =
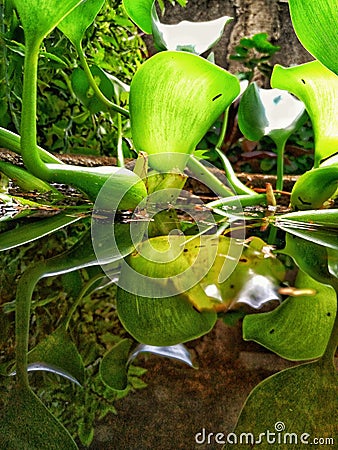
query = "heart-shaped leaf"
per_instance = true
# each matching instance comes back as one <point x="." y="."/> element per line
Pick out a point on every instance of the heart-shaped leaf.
<point x="25" y="423"/>
<point x="76" y="23"/>
<point x="162" y="321"/>
<point x="57" y="351"/>
<point x="317" y="87"/>
<point x="174" y="99"/>
<point x="300" y="327"/>
<point x="315" y="23"/>
<point x="289" y="409"/>
<point x="39" y="17"/>
<point x="113" y="367"/>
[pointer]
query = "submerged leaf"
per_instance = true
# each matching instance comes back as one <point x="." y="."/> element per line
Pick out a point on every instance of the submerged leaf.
<point x="300" y="327"/>
<point x="57" y="353"/>
<point x="31" y="232"/>
<point x="113" y="367"/>
<point x="293" y="406"/>
<point x="25" y="423"/>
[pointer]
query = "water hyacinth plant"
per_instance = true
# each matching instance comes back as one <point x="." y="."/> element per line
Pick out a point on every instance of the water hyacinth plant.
<point x="181" y="264"/>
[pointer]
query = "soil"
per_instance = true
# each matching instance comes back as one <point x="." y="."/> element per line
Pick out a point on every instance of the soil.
<point x="180" y="401"/>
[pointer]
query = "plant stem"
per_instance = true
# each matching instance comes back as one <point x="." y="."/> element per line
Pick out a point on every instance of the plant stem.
<point x="203" y="174"/>
<point x="120" y="156"/>
<point x="29" y="151"/>
<point x="238" y="186"/>
<point x="12" y="141"/>
<point x="23" y="301"/>
<point x="94" y="86"/>
<point x="280" y="144"/>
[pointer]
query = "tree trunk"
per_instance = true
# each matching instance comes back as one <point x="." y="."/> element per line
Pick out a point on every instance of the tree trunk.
<point x="250" y="17"/>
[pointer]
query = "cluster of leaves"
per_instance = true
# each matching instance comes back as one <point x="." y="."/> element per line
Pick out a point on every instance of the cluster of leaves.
<point x="67" y="126"/>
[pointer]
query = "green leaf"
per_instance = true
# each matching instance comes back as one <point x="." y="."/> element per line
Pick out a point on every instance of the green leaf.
<point x="76" y="23"/>
<point x="315" y="23"/>
<point x="312" y="258"/>
<point x="31" y="232"/>
<point x="58" y="351"/>
<point x="25" y="423"/>
<point x="317" y="87"/>
<point x="300" y="328"/>
<point x="301" y="400"/>
<point x="84" y="93"/>
<point x="269" y="112"/>
<point x="315" y="187"/>
<point x="162" y="321"/>
<point x="140" y="13"/>
<point x="113" y="367"/>
<point x="318" y="226"/>
<point x="39" y="17"/>
<point x="174" y="99"/>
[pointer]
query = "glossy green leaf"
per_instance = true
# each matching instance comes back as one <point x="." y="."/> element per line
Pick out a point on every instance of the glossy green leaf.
<point x="59" y="351"/>
<point x="162" y="321"/>
<point x="315" y="188"/>
<point x="312" y="258"/>
<point x="140" y="13"/>
<point x="113" y="366"/>
<point x="174" y="99"/>
<point x="269" y="112"/>
<point x="294" y="406"/>
<point x="318" y="226"/>
<point x="25" y="180"/>
<point x="84" y="93"/>
<point x="76" y="23"/>
<point x="300" y="328"/>
<point x="315" y="23"/>
<point x="317" y="87"/>
<point x="25" y="423"/>
<point x="31" y="232"/>
<point x="39" y="17"/>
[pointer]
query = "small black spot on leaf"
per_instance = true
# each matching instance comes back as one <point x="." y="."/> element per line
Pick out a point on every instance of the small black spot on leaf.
<point x="272" y="331"/>
<point x="216" y="97"/>
<point x="303" y="81"/>
<point x="328" y="314"/>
